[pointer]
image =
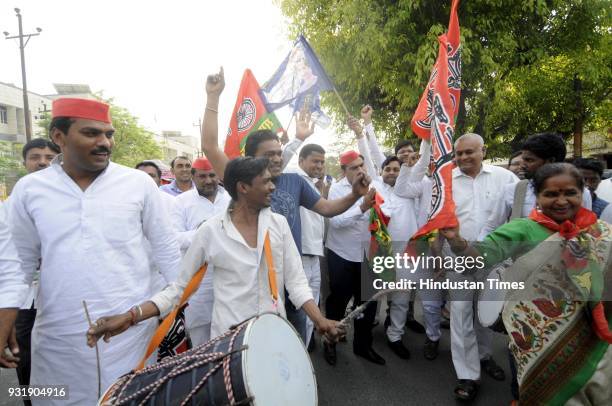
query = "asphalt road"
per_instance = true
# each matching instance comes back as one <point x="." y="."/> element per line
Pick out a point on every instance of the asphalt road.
<point x="354" y="381"/>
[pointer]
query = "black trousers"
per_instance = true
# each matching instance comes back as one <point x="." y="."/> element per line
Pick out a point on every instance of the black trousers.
<point x="23" y="327"/>
<point x="344" y="283"/>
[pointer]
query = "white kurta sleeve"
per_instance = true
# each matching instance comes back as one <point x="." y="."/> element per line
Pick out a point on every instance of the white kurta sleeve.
<point x="13" y="287"/>
<point x="293" y="271"/>
<point x="194" y="258"/>
<point x="377" y="156"/>
<point x="350" y="217"/>
<point x="290" y="150"/>
<point x="183" y="234"/>
<point x="502" y="208"/>
<point x="409" y="182"/>
<point x="24" y="233"/>
<point x="159" y="232"/>
<point x="364" y="150"/>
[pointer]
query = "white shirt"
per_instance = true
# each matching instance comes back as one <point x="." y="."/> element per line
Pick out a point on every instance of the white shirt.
<point x="191" y="210"/>
<point x="604" y="190"/>
<point x="408" y="193"/>
<point x="241" y="279"/>
<point x="348" y="233"/>
<point x="606" y="214"/>
<point x="13" y="287"/>
<point x="502" y="207"/>
<point x="94" y="249"/>
<point x="475" y="197"/>
<point x="313" y="224"/>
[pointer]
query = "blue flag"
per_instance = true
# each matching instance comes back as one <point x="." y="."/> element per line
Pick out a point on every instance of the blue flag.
<point x="298" y="79"/>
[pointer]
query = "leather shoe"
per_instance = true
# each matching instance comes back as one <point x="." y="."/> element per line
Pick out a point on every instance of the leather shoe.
<point x="329" y="353"/>
<point x="399" y="349"/>
<point x="371" y="356"/>
<point x="431" y="349"/>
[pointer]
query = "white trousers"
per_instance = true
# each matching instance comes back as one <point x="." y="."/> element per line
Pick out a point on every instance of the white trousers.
<point x="312" y="269"/>
<point x="400" y="303"/>
<point x="200" y="334"/>
<point x="470" y="341"/>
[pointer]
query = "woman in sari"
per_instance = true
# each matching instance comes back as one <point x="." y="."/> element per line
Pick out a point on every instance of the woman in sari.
<point x="558" y="324"/>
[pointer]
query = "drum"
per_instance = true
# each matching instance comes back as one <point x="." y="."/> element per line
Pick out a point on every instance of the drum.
<point x="491" y="301"/>
<point x="261" y="361"/>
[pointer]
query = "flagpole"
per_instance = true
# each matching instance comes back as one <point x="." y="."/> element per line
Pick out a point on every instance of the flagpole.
<point x="290" y="121"/>
<point x="341" y="101"/>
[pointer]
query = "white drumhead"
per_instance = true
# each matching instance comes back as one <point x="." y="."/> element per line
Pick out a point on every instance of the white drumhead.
<point x="277" y="368"/>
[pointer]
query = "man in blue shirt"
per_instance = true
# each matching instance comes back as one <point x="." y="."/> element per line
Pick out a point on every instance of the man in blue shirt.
<point x="181" y="169"/>
<point x="291" y="192"/>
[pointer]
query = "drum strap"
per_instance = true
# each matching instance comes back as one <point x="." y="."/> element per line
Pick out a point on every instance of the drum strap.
<point x="271" y="270"/>
<point x="520" y="191"/>
<point x="190" y="289"/>
<point x="163" y="328"/>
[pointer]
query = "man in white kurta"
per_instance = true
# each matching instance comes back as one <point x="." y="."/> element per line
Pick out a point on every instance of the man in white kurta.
<point x="91" y="234"/>
<point x="191" y="210"/>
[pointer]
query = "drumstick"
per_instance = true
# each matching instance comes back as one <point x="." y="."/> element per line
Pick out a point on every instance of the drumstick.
<point x="97" y="351"/>
<point x="361" y="308"/>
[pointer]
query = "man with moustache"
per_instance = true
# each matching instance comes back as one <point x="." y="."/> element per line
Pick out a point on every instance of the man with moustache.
<point x="191" y="210"/>
<point x="88" y="218"/>
<point x="38" y="154"/>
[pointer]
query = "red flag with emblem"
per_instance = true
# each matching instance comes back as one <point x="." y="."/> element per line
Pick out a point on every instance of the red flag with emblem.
<point x="434" y="119"/>
<point x="249" y="115"/>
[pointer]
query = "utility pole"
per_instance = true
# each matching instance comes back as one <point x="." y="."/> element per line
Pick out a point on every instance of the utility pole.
<point x="199" y="125"/>
<point x="26" y="104"/>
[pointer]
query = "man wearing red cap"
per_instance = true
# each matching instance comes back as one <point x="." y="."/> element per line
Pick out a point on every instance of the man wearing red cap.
<point x="191" y="210"/>
<point x="348" y="232"/>
<point x="89" y="219"/>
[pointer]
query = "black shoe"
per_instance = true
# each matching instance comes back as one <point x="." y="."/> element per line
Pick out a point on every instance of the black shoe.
<point x="312" y="344"/>
<point x="399" y="349"/>
<point x="492" y="369"/>
<point x="370" y="355"/>
<point x="431" y="349"/>
<point x="415" y="326"/>
<point x="329" y="353"/>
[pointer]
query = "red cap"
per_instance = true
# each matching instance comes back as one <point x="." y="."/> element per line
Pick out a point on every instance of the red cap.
<point x="202" y="163"/>
<point x="348" y="157"/>
<point x="81" y="108"/>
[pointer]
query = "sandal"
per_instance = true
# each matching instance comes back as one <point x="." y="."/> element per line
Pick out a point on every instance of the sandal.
<point x="466" y="389"/>
<point x="492" y="369"/>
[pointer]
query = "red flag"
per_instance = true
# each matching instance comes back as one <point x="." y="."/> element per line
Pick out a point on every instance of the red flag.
<point x="434" y="119"/>
<point x="249" y="115"/>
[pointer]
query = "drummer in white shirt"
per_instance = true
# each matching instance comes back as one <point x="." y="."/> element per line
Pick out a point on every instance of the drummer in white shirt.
<point x="191" y="210"/>
<point x="233" y="242"/>
<point x="88" y="218"/>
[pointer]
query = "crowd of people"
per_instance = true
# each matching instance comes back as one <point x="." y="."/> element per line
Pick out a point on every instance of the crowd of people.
<point x="80" y="227"/>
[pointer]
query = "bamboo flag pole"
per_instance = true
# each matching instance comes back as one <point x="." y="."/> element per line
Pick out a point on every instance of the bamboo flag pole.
<point x="341" y="101"/>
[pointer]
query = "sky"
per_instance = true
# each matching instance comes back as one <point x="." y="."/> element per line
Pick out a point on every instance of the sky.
<point x="152" y="57"/>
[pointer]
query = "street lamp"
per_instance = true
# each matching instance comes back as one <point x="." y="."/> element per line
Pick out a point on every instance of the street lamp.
<point x="21" y="36"/>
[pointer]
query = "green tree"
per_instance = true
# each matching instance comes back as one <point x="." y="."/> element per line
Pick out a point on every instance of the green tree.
<point x="528" y="66"/>
<point x="133" y="143"/>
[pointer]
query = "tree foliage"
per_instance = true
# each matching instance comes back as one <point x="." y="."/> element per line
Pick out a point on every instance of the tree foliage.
<point x="528" y="66"/>
<point x="133" y="143"/>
